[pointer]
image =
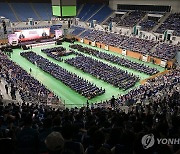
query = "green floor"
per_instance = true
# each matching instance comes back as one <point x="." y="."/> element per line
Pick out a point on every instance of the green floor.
<point x="68" y="96"/>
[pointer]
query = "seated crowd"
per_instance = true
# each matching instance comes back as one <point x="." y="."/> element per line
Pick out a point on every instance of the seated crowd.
<point x="29" y="88"/>
<point x="116" y="59"/>
<point x="131" y="19"/>
<point x="171" y="23"/>
<point x="53" y="52"/>
<point x="165" y="51"/>
<point x="39" y="129"/>
<point x="109" y="74"/>
<point x="83" y="87"/>
<point x="114" y="19"/>
<point x="57" y="52"/>
<point x="128" y="21"/>
<point x="132" y="43"/>
<point x="149" y="23"/>
<point x="121" y="41"/>
<point x="155" y="90"/>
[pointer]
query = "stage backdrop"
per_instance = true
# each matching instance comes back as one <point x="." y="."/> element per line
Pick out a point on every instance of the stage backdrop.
<point x="31" y="34"/>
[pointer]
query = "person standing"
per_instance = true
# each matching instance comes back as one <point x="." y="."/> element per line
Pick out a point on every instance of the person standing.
<point x="113" y="102"/>
<point x="13" y="93"/>
<point x="6" y="87"/>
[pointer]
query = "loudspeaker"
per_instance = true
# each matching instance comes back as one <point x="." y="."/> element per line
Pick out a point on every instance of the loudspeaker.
<point x="4" y="27"/>
<point x="69" y="23"/>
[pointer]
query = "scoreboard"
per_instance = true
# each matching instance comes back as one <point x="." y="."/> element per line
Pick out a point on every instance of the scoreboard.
<point x="64" y="8"/>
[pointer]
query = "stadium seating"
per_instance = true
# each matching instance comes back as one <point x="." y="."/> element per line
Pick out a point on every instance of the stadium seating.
<point x="171" y="23"/>
<point x="129" y="21"/>
<point x="6" y="11"/>
<point x="132" y="19"/>
<point x="83" y="10"/>
<point x="113" y="19"/>
<point x="24" y="11"/>
<point x="90" y="11"/>
<point x="102" y="14"/>
<point x="77" y="30"/>
<point x="125" y="42"/>
<point x="87" y="32"/>
<point x="165" y="51"/>
<point x="43" y="10"/>
<point x="148" y="24"/>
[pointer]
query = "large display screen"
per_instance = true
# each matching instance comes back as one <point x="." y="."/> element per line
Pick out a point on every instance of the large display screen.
<point x="64" y="8"/>
<point x="56" y="10"/>
<point x="68" y="10"/>
<point x="31" y="34"/>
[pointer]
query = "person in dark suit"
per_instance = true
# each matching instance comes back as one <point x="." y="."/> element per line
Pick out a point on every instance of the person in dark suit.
<point x="44" y="34"/>
<point x="6" y="87"/>
<point x="112" y="101"/>
<point x="21" y="36"/>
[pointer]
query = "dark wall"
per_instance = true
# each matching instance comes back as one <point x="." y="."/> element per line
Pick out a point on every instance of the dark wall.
<point x="26" y="1"/>
<point x="49" y="1"/>
<point x="92" y="1"/>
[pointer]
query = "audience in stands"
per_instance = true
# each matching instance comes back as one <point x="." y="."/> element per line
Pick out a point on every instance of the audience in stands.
<point x="130" y="20"/>
<point x="165" y="51"/>
<point x="116" y="59"/>
<point x="155" y="90"/>
<point x="131" y="43"/>
<point x="83" y="87"/>
<point x="171" y="23"/>
<point x="41" y="129"/>
<point x="125" y="42"/>
<point x="148" y="23"/>
<point x="109" y="74"/>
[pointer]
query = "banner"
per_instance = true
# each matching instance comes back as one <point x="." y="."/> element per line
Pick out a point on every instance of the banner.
<point x="163" y="63"/>
<point x="93" y="43"/>
<point x="13" y="39"/>
<point x="58" y="33"/>
<point x="124" y="52"/>
<point x="31" y="34"/>
<point x="106" y="47"/>
<point x="82" y="40"/>
<point x="145" y="58"/>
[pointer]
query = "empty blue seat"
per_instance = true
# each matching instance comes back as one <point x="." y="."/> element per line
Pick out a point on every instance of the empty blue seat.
<point x="44" y="10"/>
<point x="84" y="10"/>
<point x="77" y="30"/>
<point x="91" y="11"/>
<point x="24" y="11"/>
<point x="6" y="11"/>
<point x="102" y="14"/>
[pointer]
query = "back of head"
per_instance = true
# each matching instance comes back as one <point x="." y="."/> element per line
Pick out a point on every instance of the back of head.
<point x="54" y="142"/>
